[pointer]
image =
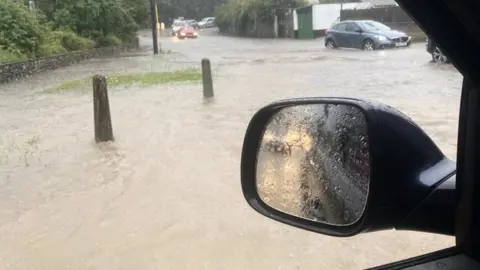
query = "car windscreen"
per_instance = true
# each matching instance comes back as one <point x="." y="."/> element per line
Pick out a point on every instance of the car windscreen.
<point x="178" y="24"/>
<point x="374" y="26"/>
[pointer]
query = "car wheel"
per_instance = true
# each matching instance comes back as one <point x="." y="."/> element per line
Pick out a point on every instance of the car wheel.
<point x="330" y="44"/>
<point x="438" y="56"/>
<point x="368" y="45"/>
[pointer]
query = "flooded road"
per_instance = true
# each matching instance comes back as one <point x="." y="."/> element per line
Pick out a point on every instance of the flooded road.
<point x="166" y="194"/>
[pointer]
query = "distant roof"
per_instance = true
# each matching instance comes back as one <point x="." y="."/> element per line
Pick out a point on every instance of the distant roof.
<point x="366" y="4"/>
<point x="381" y="2"/>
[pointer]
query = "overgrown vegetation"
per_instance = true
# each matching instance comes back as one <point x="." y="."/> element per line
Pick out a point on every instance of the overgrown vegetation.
<point x="238" y="15"/>
<point x="59" y="26"/>
<point x="143" y="79"/>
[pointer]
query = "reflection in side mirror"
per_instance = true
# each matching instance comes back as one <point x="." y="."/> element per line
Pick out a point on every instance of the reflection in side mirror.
<point x="314" y="163"/>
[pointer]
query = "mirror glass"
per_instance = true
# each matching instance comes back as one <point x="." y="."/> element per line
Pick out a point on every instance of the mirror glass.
<point x="314" y="163"/>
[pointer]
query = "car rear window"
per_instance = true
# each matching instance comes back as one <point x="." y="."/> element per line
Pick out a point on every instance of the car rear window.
<point x="352" y="27"/>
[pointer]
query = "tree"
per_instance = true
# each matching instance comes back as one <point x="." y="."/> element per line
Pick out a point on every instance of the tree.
<point x="139" y="10"/>
<point x="95" y="19"/>
<point x="20" y="31"/>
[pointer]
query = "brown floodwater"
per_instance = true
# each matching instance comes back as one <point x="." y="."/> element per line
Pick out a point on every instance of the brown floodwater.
<point x="166" y="194"/>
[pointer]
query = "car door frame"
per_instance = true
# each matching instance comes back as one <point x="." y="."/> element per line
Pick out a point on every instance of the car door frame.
<point x="340" y="37"/>
<point x="354" y="38"/>
<point x="433" y="17"/>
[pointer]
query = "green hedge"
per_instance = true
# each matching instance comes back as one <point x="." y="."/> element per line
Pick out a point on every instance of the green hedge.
<point x="69" y="25"/>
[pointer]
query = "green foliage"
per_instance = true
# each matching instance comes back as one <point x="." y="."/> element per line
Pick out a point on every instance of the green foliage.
<point x="59" y="26"/>
<point x="73" y="42"/>
<point x="139" y="10"/>
<point x="237" y="15"/>
<point x="62" y="41"/>
<point x="109" y="40"/>
<point x="20" y="31"/>
<point x="27" y="34"/>
<point x="95" y="19"/>
<point x="7" y="56"/>
<point x="51" y="46"/>
<point x="142" y="79"/>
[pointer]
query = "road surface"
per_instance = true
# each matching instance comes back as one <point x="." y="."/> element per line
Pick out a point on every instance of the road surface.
<point x="166" y="194"/>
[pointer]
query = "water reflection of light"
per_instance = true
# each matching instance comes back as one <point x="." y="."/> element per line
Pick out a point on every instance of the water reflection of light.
<point x="300" y="139"/>
<point x="267" y="136"/>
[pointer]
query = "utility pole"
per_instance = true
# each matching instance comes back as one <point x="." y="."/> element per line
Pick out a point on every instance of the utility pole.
<point x="154" y="25"/>
<point x="156" y="21"/>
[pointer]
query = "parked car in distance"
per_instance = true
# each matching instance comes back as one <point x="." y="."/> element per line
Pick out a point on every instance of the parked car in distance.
<point x="364" y="34"/>
<point x="436" y="52"/>
<point x="207" y="22"/>
<point x="187" y="32"/>
<point x="193" y="23"/>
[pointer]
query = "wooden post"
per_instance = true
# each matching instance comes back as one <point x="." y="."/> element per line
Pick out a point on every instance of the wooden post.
<point x="154" y="26"/>
<point x="101" y="110"/>
<point x="207" y="79"/>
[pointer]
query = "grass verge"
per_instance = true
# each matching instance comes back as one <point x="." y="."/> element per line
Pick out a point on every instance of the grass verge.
<point x="143" y="79"/>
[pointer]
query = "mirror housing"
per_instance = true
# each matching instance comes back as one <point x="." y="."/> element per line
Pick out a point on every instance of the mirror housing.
<point x="406" y="169"/>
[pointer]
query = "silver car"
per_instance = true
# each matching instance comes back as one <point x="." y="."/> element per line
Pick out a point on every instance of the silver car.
<point x="365" y="34"/>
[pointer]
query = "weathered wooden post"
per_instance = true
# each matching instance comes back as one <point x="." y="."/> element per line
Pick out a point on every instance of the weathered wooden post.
<point x="207" y="79"/>
<point x="101" y="110"/>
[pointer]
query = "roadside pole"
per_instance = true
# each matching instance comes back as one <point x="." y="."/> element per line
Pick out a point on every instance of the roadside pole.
<point x="101" y="110"/>
<point x="154" y="26"/>
<point x="156" y="20"/>
<point x="207" y="79"/>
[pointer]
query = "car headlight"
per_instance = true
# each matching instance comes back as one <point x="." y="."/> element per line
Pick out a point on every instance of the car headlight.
<point x="183" y="34"/>
<point x="381" y="38"/>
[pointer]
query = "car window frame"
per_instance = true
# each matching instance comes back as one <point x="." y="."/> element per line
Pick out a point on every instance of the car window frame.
<point x="336" y="26"/>
<point x="374" y="24"/>
<point x="354" y="24"/>
<point x="433" y="18"/>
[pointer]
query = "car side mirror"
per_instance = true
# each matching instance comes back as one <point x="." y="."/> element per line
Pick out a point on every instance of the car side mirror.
<point x="340" y="166"/>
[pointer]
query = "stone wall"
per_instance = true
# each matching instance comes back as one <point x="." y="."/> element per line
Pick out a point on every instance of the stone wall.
<point x="16" y="70"/>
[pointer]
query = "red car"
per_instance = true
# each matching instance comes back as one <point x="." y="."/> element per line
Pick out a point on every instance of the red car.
<point x="187" y="32"/>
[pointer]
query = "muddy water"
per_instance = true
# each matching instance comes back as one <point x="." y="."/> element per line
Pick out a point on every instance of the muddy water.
<point x="166" y="194"/>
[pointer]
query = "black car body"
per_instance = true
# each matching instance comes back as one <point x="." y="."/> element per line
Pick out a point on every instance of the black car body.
<point x="413" y="185"/>
<point x="193" y="23"/>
